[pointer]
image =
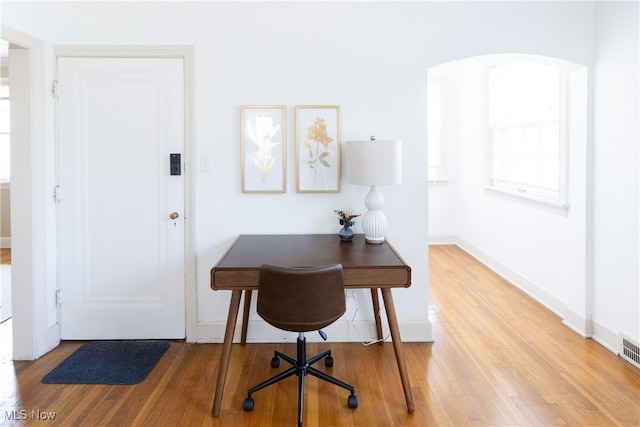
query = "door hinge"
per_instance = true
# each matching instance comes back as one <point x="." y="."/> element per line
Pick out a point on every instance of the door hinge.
<point x="58" y="297"/>
<point x="56" y="193"/>
<point x="54" y="89"/>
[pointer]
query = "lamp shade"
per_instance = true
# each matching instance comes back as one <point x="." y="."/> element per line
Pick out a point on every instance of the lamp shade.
<point x="374" y="162"/>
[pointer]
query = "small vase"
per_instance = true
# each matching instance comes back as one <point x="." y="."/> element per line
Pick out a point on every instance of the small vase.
<point x="346" y="234"/>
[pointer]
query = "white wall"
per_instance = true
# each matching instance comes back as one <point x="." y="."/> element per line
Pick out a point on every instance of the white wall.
<point x="616" y="214"/>
<point x="370" y="58"/>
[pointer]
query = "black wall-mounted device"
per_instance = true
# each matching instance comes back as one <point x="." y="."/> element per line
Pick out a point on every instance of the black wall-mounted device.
<point x="175" y="164"/>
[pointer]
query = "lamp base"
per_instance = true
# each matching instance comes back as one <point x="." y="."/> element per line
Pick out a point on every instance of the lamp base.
<point x="374" y="221"/>
<point x="374" y="240"/>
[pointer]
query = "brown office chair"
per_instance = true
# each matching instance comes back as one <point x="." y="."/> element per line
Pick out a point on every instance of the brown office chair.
<point x="301" y="300"/>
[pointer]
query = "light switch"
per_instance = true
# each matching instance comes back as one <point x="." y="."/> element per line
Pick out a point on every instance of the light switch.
<point x="205" y="164"/>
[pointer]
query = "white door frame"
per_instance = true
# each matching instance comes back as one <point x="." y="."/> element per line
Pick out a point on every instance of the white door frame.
<point x="185" y="53"/>
<point x="30" y="212"/>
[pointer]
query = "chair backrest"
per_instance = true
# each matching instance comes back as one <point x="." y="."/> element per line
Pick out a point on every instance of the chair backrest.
<point x="301" y="299"/>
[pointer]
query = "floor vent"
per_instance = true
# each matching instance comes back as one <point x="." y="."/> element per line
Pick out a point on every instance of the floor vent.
<point x="630" y="351"/>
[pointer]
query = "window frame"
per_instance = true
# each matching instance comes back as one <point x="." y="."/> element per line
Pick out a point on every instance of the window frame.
<point x="520" y="190"/>
<point x="5" y="98"/>
<point x="443" y="164"/>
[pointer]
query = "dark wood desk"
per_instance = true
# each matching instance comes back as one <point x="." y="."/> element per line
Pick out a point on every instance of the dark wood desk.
<point x="370" y="266"/>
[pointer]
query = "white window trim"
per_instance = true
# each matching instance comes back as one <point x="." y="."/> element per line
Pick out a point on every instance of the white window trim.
<point x="528" y="197"/>
<point x="562" y="201"/>
<point x="4" y="179"/>
<point x="443" y="179"/>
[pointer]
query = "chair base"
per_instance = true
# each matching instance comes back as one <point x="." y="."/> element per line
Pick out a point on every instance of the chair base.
<point x="301" y="366"/>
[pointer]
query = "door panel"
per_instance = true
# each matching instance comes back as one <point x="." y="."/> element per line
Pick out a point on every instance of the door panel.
<point x="121" y="257"/>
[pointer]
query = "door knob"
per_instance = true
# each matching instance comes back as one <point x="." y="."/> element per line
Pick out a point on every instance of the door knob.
<point x="174" y="215"/>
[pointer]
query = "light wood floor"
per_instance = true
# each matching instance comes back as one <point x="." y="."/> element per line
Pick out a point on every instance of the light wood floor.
<point x="5" y="256"/>
<point x="5" y="285"/>
<point x="499" y="358"/>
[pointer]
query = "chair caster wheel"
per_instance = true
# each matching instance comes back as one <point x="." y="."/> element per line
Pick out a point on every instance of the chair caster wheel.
<point x="248" y="404"/>
<point x="275" y="362"/>
<point x="352" y="402"/>
<point x="328" y="361"/>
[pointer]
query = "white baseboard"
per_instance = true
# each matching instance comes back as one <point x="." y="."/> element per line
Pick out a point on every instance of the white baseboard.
<point x="53" y="336"/>
<point x="341" y="331"/>
<point x="534" y="290"/>
<point x="443" y="240"/>
<point x="5" y="242"/>
<point x="577" y="322"/>
<point x="606" y="337"/>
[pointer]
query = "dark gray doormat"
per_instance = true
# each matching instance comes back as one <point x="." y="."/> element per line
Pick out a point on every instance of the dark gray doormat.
<point x="108" y="362"/>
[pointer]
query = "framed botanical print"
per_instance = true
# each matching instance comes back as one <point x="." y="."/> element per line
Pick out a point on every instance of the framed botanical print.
<point x="318" y="167"/>
<point x="263" y="141"/>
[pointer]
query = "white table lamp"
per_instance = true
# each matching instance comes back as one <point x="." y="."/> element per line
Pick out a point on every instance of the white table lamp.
<point x="374" y="163"/>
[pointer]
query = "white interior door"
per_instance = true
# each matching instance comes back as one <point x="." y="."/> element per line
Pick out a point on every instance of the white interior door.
<point x="122" y="248"/>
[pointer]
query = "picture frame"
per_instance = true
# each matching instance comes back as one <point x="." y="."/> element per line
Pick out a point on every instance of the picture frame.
<point x="264" y="148"/>
<point x="318" y="142"/>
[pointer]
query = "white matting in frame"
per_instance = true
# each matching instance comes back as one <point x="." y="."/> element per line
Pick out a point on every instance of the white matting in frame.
<point x="318" y="166"/>
<point x="263" y="139"/>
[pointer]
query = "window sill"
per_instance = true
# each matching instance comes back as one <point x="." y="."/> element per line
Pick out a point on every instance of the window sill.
<point x="529" y="199"/>
<point x="5" y="185"/>
<point x="438" y="182"/>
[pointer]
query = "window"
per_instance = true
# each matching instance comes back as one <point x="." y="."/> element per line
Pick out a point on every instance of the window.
<point x="437" y="148"/>
<point x="526" y="140"/>
<point x="5" y="162"/>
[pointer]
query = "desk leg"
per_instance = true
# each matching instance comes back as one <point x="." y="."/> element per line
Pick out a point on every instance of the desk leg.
<point x="376" y="313"/>
<point x="245" y="316"/>
<point x="234" y="306"/>
<point x="397" y="346"/>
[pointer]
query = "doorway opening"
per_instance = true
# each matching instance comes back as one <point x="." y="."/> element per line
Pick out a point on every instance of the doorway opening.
<point x="513" y="182"/>
<point x="6" y="335"/>
<point x="502" y="123"/>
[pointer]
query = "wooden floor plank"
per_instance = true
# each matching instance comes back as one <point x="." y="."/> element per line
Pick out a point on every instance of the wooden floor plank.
<point x="499" y="358"/>
<point x="5" y="256"/>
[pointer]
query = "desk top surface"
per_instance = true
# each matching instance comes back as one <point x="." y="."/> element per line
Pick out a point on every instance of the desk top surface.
<point x="364" y="264"/>
<point x="305" y="250"/>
